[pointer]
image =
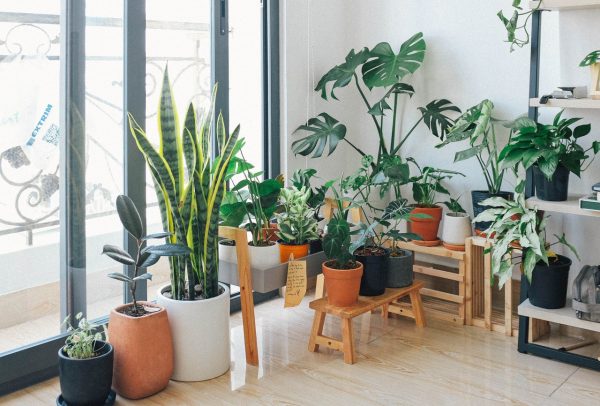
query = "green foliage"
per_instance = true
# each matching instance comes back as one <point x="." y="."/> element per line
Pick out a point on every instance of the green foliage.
<point x="251" y="202"/>
<point x="454" y="206"/>
<point x="516" y="229"/>
<point x="548" y="145"/>
<point x="591" y="58"/>
<point x="337" y="242"/>
<point x="428" y="184"/>
<point x="81" y="341"/>
<point x="145" y="257"/>
<point x="517" y="31"/>
<point x="302" y="179"/>
<point x="297" y="224"/>
<point x="479" y="127"/>
<point x="190" y="183"/>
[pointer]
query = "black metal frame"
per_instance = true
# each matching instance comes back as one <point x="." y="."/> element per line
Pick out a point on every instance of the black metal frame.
<point x="524" y="346"/>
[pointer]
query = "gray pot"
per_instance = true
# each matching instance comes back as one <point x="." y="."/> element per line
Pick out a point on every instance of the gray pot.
<point x="400" y="271"/>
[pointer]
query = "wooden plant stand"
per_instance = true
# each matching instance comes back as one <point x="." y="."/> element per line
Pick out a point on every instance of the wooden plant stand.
<point x="346" y="314"/>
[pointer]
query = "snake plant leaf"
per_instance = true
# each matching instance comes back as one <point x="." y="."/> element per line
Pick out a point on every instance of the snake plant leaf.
<point x="170" y="145"/>
<point x="341" y="75"/>
<point x="156" y="236"/>
<point x="189" y="147"/>
<point x="435" y="118"/>
<point x="130" y="217"/>
<point x="143" y="277"/>
<point x="385" y="68"/>
<point x="167" y="250"/>
<point x="323" y="131"/>
<point x="120" y="277"/>
<point x="118" y="254"/>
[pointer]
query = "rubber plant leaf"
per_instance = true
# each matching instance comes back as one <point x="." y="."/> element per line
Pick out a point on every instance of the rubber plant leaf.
<point x="129" y="216"/>
<point x="118" y="254"/>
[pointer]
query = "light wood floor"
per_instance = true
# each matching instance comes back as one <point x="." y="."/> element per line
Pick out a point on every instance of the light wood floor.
<point x="398" y="364"/>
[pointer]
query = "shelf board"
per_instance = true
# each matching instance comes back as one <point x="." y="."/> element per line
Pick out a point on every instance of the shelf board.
<point x="571" y="206"/>
<point x="565" y="4"/>
<point x="567" y="103"/>
<point x="565" y="316"/>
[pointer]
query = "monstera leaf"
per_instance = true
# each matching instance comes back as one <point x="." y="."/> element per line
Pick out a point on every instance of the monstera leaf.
<point x="341" y="75"/>
<point x="385" y="68"/>
<point x="378" y="109"/>
<point x="322" y="130"/>
<point x="434" y="116"/>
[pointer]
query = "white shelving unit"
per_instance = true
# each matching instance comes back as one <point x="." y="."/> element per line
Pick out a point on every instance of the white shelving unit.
<point x="571" y="206"/>
<point x="565" y="316"/>
<point x="564" y="4"/>
<point x="567" y="103"/>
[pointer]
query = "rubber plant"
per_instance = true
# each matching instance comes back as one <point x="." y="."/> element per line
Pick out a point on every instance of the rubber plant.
<point x="375" y="70"/>
<point x="190" y="182"/>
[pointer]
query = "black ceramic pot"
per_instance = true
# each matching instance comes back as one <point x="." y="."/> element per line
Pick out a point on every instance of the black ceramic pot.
<point x="86" y="381"/>
<point x="548" y="287"/>
<point x="400" y="270"/>
<point x="375" y="273"/>
<point x="315" y="246"/>
<point x="478" y="196"/>
<point x="554" y="190"/>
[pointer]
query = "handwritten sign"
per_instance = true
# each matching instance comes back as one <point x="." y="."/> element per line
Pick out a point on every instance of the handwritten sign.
<point x="295" y="287"/>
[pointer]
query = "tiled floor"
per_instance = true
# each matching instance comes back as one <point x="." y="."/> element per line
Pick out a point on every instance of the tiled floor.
<point x="397" y="364"/>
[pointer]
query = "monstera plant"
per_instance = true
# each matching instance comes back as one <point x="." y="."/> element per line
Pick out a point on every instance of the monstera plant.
<point x="371" y="70"/>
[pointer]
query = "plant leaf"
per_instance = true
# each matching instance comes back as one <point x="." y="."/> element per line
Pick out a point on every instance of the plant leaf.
<point x="167" y="250"/>
<point x="144" y="276"/>
<point x="118" y="254"/>
<point x="130" y="217"/>
<point x="341" y="75"/>
<point x="120" y="277"/>
<point x="157" y="236"/>
<point x="435" y="118"/>
<point x="322" y="131"/>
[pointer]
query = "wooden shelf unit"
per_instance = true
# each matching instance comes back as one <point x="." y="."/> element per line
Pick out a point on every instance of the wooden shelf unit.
<point x="558" y="5"/>
<point x="567" y="103"/>
<point x="571" y="206"/>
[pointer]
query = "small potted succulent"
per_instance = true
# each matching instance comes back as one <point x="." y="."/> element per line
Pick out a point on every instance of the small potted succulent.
<point x="297" y="225"/>
<point x="593" y="61"/>
<point x="553" y="151"/>
<point x="341" y="271"/>
<point x="139" y="324"/>
<point x="85" y="365"/>
<point x="517" y="229"/>
<point x="457" y="226"/>
<point x="425" y="188"/>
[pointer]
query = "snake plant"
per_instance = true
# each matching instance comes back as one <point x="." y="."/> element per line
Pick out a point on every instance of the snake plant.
<point x="190" y="182"/>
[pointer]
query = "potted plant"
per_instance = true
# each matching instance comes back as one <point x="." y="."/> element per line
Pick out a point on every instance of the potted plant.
<point x="425" y="188"/>
<point x="136" y="325"/>
<point x="297" y="224"/>
<point x="520" y="230"/>
<point x="479" y="128"/>
<point x="251" y="203"/>
<point x="372" y="71"/>
<point x="457" y="226"/>
<point x="593" y="61"/>
<point x="85" y="366"/>
<point x="190" y="170"/>
<point x="341" y="271"/>
<point x="302" y="178"/>
<point x="553" y="151"/>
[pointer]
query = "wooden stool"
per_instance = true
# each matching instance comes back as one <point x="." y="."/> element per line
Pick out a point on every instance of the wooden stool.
<point x="364" y="304"/>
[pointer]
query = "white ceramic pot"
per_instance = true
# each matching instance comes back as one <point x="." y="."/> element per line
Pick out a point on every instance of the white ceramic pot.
<point x="200" y="330"/>
<point x="457" y="228"/>
<point x="227" y="253"/>
<point x="263" y="257"/>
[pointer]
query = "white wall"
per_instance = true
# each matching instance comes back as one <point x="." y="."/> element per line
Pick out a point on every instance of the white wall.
<point x="466" y="61"/>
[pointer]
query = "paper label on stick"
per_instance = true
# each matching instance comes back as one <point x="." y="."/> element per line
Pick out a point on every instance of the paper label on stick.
<point x="295" y="287"/>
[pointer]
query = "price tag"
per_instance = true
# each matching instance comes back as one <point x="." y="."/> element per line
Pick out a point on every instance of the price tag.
<point x="295" y="287"/>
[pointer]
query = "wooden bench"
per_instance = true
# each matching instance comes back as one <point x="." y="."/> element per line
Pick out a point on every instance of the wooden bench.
<point x="346" y="314"/>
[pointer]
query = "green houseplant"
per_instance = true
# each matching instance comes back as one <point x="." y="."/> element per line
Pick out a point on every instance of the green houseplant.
<point x="517" y="229"/>
<point x="593" y="61"/>
<point x="134" y="326"/>
<point x="425" y="187"/>
<point x="190" y="183"/>
<point x="341" y="271"/>
<point x="517" y="30"/>
<point x="85" y="365"/>
<point x="456" y="226"/>
<point x="477" y="126"/>
<point x="552" y="150"/>
<point x="297" y="223"/>
<point x="376" y="69"/>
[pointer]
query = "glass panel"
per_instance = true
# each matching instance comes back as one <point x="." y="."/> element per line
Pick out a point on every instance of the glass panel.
<point x="104" y="150"/>
<point x="177" y="32"/>
<point x="29" y="120"/>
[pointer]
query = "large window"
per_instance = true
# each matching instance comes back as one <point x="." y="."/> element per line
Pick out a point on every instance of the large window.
<point x="69" y="71"/>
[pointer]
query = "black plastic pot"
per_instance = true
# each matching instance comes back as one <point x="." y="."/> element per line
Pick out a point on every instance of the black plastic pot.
<point x="554" y="190"/>
<point x="375" y="273"/>
<point x="86" y="381"/>
<point x="478" y="196"/>
<point x="548" y="287"/>
<point x="400" y="270"/>
<point x="315" y="246"/>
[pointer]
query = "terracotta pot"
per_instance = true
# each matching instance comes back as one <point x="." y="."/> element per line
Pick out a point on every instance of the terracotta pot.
<point x="143" y="352"/>
<point x="270" y="233"/>
<point x="285" y="250"/>
<point x="426" y="228"/>
<point x="342" y="285"/>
